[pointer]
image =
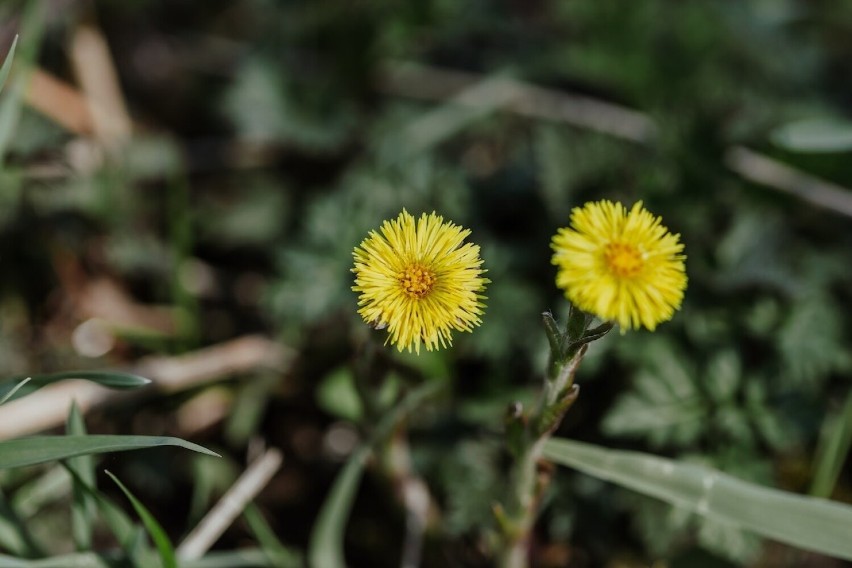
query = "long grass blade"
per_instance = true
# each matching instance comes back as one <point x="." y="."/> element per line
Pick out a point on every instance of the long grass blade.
<point x="806" y="522"/>
<point x="326" y="544"/>
<point x="82" y="504"/>
<point x="12" y="387"/>
<point x="833" y="449"/>
<point x="39" y="449"/>
<point x="77" y="560"/>
<point x="128" y="534"/>
<point x="11" y="104"/>
<point x="15" y="536"/>
<point x="7" y="63"/>
<point x="155" y="531"/>
<point x="278" y="554"/>
<point x="245" y="558"/>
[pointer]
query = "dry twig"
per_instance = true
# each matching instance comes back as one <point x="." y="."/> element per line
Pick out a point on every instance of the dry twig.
<point x="229" y="507"/>
<point x="98" y="79"/>
<point x="48" y="407"/>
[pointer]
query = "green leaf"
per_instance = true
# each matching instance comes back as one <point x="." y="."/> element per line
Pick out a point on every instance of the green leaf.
<point x="14" y="532"/>
<point x="158" y="535"/>
<point x="32" y="27"/>
<point x="337" y="395"/>
<point x="326" y="543"/>
<point x="126" y="532"/>
<point x="722" y="377"/>
<point x="834" y="443"/>
<point x="249" y="408"/>
<point x="52" y="486"/>
<point x="468" y="505"/>
<point x="39" y="449"/>
<point x="7" y="63"/>
<point x="728" y="541"/>
<point x="811" y="341"/>
<point x="278" y="554"/>
<point x="82" y="506"/>
<point x="244" y="558"/>
<point x="662" y="408"/>
<point x="12" y="388"/>
<point x="809" y="523"/>
<point x="815" y="135"/>
<point x="77" y="560"/>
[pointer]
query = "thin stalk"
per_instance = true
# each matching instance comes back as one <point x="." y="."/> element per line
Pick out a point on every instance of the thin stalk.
<point x="410" y="491"/>
<point x="527" y="481"/>
<point x="393" y="453"/>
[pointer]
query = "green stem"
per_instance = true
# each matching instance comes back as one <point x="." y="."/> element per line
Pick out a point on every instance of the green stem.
<point x="527" y="481"/>
<point x="526" y="489"/>
<point x="393" y="453"/>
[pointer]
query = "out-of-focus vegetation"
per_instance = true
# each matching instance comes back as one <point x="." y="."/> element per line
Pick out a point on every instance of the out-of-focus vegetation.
<point x="219" y="191"/>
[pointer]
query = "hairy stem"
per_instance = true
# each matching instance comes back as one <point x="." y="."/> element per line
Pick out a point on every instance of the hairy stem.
<point x="527" y="480"/>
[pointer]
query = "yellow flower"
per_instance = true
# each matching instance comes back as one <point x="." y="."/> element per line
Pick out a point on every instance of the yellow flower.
<point x="420" y="281"/>
<point x="620" y="266"/>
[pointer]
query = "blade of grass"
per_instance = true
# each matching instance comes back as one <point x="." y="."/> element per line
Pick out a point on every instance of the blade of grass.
<point x="126" y="532"/>
<point x="51" y="486"/>
<point x="806" y="522"/>
<point x="40" y="449"/>
<point x="7" y="63"/>
<point x="12" y="388"/>
<point x="326" y="543"/>
<point x="155" y="531"/>
<point x="278" y="554"/>
<point x="76" y="560"/>
<point x="15" y="536"/>
<point x="82" y="505"/>
<point x="32" y="27"/>
<point x="833" y="448"/>
<point x="246" y="558"/>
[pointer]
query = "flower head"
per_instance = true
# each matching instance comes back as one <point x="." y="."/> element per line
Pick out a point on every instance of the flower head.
<point x="419" y="279"/>
<point x="620" y="266"/>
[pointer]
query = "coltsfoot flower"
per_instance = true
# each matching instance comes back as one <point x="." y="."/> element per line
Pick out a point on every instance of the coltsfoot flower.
<point x="620" y="266"/>
<point x="420" y="280"/>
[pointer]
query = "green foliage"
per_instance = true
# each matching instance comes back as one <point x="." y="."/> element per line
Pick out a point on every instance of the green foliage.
<point x="834" y="445"/>
<point x="326" y="544"/>
<point x="469" y="477"/>
<point x="267" y="142"/>
<point x="7" y="63"/>
<point x="814" y="524"/>
<point x="83" y="467"/>
<point x="811" y="342"/>
<point x="155" y="531"/>
<point x="665" y="406"/>
<point x="16" y="387"/>
<point x="815" y="135"/>
<point x="39" y="449"/>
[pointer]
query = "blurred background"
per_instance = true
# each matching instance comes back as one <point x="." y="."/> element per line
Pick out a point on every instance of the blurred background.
<point x="182" y="184"/>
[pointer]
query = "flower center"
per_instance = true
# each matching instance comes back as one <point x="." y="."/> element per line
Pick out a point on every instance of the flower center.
<point x="417" y="280"/>
<point x="624" y="260"/>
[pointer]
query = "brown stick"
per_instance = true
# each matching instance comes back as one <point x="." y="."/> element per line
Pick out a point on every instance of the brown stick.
<point x="433" y="83"/>
<point x="98" y="80"/>
<point x="48" y="407"/>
